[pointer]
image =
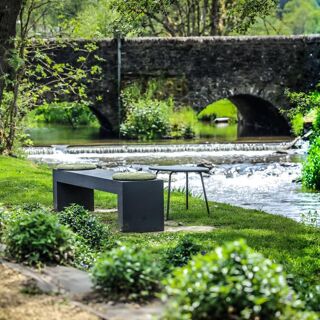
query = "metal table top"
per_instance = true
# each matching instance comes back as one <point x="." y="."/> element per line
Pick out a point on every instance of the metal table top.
<point x="178" y="168"/>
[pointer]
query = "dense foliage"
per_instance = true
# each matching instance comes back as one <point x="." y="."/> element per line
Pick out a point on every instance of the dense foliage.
<point x="151" y="113"/>
<point x="126" y="273"/>
<point x="35" y="77"/>
<point x="146" y="119"/>
<point x="311" y="167"/>
<point x="96" y="234"/>
<point x="37" y="237"/>
<point x="73" y="114"/>
<point x="233" y="282"/>
<point x="180" y="255"/>
<point x="293" y="17"/>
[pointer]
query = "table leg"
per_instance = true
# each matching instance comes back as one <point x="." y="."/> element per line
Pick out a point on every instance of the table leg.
<point x="169" y="191"/>
<point x="204" y="192"/>
<point x="187" y="191"/>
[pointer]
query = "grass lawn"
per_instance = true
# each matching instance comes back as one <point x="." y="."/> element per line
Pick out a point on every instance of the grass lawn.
<point x="294" y="245"/>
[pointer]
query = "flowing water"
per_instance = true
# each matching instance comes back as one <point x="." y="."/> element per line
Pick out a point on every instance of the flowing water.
<point x="262" y="176"/>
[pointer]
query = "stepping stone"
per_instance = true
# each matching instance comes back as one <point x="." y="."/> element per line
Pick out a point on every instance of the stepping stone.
<point x="189" y="229"/>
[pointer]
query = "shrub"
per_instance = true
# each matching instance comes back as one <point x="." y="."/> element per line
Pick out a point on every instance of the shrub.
<point x="146" y="119"/>
<point x="311" y="167"/>
<point x="309" y="293"/>
<point x="316" y="124"/>
<point x="37" y="237"/>
<point x="233" y="282"/>
<point x="69" y="113"/>
<point x="84" y="255"/>
<point x="86" y="225"/>
<point x="181" y="253"/>
<point x="2" y="218"/>
<point x="297" y="124"/>
<point x="126" y="273"/>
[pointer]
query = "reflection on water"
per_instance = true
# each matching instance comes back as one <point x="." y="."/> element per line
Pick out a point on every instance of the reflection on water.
<point x="47" y="135"/>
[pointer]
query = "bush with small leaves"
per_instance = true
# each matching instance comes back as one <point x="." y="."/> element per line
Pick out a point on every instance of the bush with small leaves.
<point x="309" y="293"/>
<point x="85" y="224"/>
<point x="84" y="255"/>
<point x="37" y="237"/>
<point x="126" y="273"/>
<point x="146" y="119"/>
<point x="232" y="282"/>
<point x="180" y="255"/>
<point x="311" y="167"/>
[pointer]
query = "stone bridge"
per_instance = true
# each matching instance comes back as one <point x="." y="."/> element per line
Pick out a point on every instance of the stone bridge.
<point x="252" y="72"/>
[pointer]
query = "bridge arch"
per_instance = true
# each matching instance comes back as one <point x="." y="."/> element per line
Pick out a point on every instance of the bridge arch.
<point x="257" y="116"/>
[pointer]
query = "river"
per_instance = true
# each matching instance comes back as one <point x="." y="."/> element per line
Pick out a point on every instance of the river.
<point x="251" y="173"/>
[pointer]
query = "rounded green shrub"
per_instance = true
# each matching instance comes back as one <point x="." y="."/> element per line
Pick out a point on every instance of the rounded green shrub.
<point x="37" y="237"/>
<point x="180" y="255"/>
<point x="297" y="124"/>
<point x="233" y="282"/>
<point x="126" y="273"/>
<point x="146" y="119"/>
<point x="96" y="234"/>
<point x="311" y="167"/>
<point x="316" y="124"/>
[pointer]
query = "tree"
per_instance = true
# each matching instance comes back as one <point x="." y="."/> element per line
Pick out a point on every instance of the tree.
<point x="294" y="17"/>
<point x="35" y="77"/>
<point x="9" y="11"/>
<point x="192" y="17"/>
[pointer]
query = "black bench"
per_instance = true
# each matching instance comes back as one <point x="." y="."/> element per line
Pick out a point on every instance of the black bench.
<point x="140" y="203"/>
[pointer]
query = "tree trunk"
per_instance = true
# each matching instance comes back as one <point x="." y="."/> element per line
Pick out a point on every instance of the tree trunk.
<point x="9" y="11"/>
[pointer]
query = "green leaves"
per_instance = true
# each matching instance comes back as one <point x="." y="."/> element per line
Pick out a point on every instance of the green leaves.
<point x="126" y="273"/>
<point x="311" y="167"/>
<point x="37" y="237"/>
<point x="232" y="282"/>
<point x="181" y="253"/>
<point x="96" y="234"/>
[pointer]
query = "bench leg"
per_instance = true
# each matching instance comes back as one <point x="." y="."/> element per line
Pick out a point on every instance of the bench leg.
<point x="65" y="194"/>
<point x="140" y="206"/>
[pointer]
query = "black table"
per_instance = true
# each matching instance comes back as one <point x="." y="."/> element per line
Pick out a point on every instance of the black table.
<point x="186" y="170"/>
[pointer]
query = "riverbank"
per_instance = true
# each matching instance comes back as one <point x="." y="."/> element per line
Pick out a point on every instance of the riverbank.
<point x="292" y="244"/>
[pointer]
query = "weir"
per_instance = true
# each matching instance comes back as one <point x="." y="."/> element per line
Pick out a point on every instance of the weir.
<point x="158" y="148"/>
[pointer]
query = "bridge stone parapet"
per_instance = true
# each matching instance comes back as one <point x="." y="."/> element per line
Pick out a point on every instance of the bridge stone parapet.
<point x="253" y="72"/>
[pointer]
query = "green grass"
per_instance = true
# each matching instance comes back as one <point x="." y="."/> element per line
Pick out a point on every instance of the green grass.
<point x="221" y="108"/>
<point x="22" y="181"/>
<point x="292" y="244"/>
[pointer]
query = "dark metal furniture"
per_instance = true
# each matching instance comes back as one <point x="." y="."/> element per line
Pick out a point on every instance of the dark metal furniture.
<point x="140" y="203"/>
<point x="186" y="170"/>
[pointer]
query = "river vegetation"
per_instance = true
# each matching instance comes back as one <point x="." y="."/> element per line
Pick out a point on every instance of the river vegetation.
<point x="306" y="112"/>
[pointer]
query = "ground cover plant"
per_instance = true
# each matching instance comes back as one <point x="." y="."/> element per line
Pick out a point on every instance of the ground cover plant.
<point x="284" y="241"/>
